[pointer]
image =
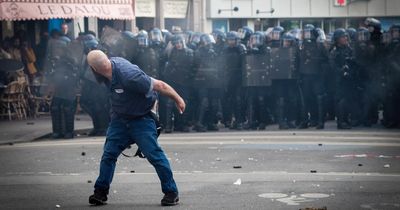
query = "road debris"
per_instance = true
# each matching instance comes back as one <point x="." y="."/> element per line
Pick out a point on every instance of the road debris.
<point x="237" y="166"/>
<point x="83" y="153"/>
<point x="313" y="171"/>
<point x="132" y="171"/>
<point x="89" y="181"/>
<point x="238" y="182"/>
<point x="218" y="159"/>
<point x="312" y="208"/>
<point x="386" y="166"/>
<point x="58" y="206"/>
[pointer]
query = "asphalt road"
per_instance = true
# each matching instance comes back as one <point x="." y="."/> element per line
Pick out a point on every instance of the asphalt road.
<point x="277" y="170"/>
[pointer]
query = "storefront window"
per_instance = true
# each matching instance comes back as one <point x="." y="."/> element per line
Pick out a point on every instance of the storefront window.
<point x="315" y="22"/>
<point x="290" y="24"/>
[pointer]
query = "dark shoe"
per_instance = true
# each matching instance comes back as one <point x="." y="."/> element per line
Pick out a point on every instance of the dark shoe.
<point x="69" y="136"/>
<point x="95" y="132"/>
<point x="343" y="126"/>
<point x="320" y="126"/>
<point x="303" y="125"/>
<point x="184" y="129"/>
<point x="56" y="136"/>
<point x="170" y="199"/>
<point x="262" y="126"/>
<point x="283" y="126"/>
<point x="200" y="128"/>
<point x="212" y="127"/>
<point x="98" y="198"/>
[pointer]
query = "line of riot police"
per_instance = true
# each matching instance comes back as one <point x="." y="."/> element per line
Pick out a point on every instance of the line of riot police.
<point x="248" y="80"/>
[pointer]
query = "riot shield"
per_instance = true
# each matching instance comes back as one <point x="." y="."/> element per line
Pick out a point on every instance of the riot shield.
<point x="208" y="78"/>
<point x="310" y="59"/>
<point x="283" y="63"/>
<point x="255" y="70"/>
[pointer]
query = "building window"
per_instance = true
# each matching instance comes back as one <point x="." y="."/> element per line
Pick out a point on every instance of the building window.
<point x="220" y="24"/>
<point x="290" y="24"/>
<point x="315" y="22"/>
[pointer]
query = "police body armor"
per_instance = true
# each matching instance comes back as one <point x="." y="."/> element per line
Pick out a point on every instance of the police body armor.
<point x="207" y="74"/>
<point x="179" y="68"/>
<point x="233" y="63"/>
<point x="256" y="70"/>
<point x="283" y="63"/>
<point x="310" y="58"/>
<point x="147" y="61"/>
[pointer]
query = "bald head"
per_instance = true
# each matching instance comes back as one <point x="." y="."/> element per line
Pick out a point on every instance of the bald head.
<point x="99" y="61"/>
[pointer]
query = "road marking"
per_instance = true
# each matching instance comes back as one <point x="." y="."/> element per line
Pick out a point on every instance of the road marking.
<point x="293" y="200"/>
<point x="283" y="141"/>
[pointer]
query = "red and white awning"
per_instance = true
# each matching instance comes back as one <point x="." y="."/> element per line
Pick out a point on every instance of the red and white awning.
<point x="65" y="9"/>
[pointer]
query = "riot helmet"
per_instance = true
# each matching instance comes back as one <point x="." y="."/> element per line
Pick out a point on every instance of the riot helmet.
<point x="219" y="36"/>
<point x="178" y="41"/>
<point x="309" y="32"/>
<point x="288" y="40"/>
<point x="206" y="40"/>
<point x="232" y="38"/>
<point x="321" y="35"/>
<point x="245" y="33"/>
<point x="363" y="35"/>
<point x="155" y="36"/>
<point x="352" y="33"/>
<point x="142" y="39"/>
<point x="276" y="33"/>
<point x="340" y="37"/>
<point x="373" y="25"/>
<point x="257" y="40"/>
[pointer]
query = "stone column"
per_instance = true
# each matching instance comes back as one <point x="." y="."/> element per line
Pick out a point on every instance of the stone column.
<point x="159" y="20"/>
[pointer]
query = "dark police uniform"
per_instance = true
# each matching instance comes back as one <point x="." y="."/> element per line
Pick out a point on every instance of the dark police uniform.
<point x="132" y="98"/>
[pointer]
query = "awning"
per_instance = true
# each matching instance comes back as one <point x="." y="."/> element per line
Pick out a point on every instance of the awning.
<point x="65" y="9"/>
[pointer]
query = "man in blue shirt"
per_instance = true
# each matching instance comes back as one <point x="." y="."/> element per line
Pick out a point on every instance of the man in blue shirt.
<point x="133" y="95"/>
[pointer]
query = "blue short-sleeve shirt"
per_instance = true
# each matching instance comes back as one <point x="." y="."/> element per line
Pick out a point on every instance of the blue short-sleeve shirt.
<point x="132" y="93"/>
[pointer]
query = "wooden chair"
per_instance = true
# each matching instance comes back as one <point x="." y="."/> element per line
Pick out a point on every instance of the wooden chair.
<point x="9" y="101"/>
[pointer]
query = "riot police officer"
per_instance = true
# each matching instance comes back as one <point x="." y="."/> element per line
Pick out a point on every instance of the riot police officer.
<point x="179" y="73"/>
<point x="311" y="58"/>
<point x="63" y="81"/>
<point x="94" y="98"/>
<point x="233" y="55"/>
<point x="284" y="76"/>
<point x="220" y="38"/>
<point x="341" y="61"/>
<point x="244" y="34"/>
<point x="146" y="57"/>
<point x="207" y="83"/>
<point x="256" y="81"/>
<point x="377" y="66"/>
<point x="392" y="97"/>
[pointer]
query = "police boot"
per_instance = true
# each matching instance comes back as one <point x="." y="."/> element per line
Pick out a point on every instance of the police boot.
<point x="199" y="127"/>
<point x="69" y="116"/>
<point x="168" y="117"/>
<point x="321" y="113"/>
<point x="281" y="114"/>
<point x="341" y="122"/>
<point x="56" y="121"/>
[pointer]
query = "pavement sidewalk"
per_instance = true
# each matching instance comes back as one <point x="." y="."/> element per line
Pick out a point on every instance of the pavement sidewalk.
<point x="17" y="131"/>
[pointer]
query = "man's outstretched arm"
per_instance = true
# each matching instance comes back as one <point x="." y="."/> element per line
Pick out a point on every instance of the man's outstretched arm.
<point x="168" y="91"/>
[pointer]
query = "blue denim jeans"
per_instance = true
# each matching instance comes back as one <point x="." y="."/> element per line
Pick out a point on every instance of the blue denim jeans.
<point x="120" y="134"/>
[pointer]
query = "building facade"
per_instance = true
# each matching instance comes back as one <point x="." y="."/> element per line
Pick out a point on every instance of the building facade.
<point x="327" y="14"/>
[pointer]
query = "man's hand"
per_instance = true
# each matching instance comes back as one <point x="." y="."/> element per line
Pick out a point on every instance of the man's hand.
<point x="180" y="105"/>
<point x="167" y="90"/>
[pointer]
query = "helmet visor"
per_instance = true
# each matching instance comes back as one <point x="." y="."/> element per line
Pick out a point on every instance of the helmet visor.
<point x="155" y="36"/>
<point x="142" y="41"/>
<point x="275" y="35"/>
